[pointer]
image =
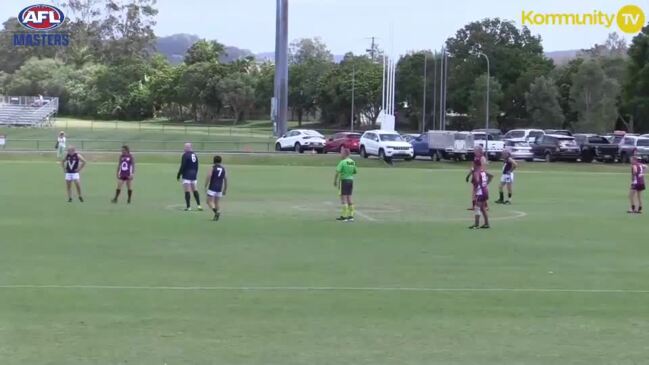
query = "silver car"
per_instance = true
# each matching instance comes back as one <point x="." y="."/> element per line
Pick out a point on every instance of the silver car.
<point x="520" y="150"/>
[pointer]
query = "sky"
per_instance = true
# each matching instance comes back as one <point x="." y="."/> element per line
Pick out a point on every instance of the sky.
<point x="346" y="25"/>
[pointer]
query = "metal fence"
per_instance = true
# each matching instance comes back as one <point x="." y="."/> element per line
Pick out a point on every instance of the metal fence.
<point x="42" y="145"/>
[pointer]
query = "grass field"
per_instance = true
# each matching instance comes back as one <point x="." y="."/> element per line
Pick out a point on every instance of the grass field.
<point x="561" y="278"/>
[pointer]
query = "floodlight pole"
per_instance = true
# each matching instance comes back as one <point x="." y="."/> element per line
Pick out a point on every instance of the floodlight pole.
<point x="353" y="92"/>
<point x="423" y="113"/>
<point x="281" y="67"/>
<point x="486" y="106"/>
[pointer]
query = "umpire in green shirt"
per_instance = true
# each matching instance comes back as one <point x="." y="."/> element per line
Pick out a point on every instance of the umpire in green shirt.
<point x="344" y="180"/>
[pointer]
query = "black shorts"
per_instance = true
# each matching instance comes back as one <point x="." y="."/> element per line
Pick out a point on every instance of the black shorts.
<point x="638" y="187"/>
<point x="346" y="187"/>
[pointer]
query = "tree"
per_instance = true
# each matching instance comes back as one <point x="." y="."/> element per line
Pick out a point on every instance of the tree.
<point x="543" y="104"/>
<point x="478" y="99"/>
<point x="514" y="53"/>
<point x="204" y="51"/>
<point x="238" y="90"/>
<point x="614" y="46"/>
<point x="410" y="85"/>
<point x="563" y="77"/>
<point x="11" y="58"/>
<point x="39" y="76"/>
<point x="335" y="95"/>
<point x="309" y="49"/>
<point x="309" y="60"/>
<point x="594" y="98"/>
<point x="636" y="85"/>
<point x="265" y="76"/>
<point x="127" y="30"/>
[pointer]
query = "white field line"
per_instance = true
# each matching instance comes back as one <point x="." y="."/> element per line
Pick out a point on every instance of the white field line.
<point x="369" y="218"/>
<point x="325" y="289"/>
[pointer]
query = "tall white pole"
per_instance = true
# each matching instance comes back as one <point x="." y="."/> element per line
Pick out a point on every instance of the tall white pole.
<point x="392" y="86"/>
<point x="351" y="122"/>
<point x="423" y="113"/>
<point x="388" y="92"/>
<point x="383" y="90"/>
<point x="441" y="91"/>
<point x="394" y="83"/>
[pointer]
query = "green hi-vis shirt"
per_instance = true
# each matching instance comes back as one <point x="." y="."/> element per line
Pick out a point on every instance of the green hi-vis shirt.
<point x="347" y="169"/>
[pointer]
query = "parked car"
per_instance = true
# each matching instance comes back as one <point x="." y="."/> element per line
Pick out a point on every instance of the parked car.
<point x="561" y="132"/>
<point x="497" y="133"/>
<point x="491" y="144"/>
<point x="300" y="140"/>
<point x="525" y="135"/>
<point x="617" y="136"/>
<point x="386" y="145"/>
<point x="350" y="140"/>
<point x="595" y="147"/>
<point x="419" y="143"/>
<point x="519" y="150"/>
<point x="554" y="147"/>
<point x="634" y="145"/>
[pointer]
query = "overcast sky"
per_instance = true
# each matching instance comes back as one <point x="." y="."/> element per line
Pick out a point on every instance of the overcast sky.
<point x="344" y="25"/>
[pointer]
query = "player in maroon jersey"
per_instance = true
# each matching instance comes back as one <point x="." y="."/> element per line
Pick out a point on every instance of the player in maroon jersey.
<point x="479" y="164"/>
<point x="637" y="185"/>
<point x="125" y="173"/>
<point x="481" y="182"/>
<point x="72" y="165"/>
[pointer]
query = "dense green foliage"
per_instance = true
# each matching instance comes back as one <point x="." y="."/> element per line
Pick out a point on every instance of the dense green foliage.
<point x="112" y="70"/>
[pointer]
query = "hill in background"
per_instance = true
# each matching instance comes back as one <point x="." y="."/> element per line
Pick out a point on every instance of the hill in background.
<point x="175" y="46"/>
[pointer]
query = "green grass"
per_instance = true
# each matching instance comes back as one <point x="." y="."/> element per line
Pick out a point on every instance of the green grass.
<point x="277" y="231"/>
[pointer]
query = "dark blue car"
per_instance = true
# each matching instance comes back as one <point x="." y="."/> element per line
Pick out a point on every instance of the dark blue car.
<point x="419" y="144"/>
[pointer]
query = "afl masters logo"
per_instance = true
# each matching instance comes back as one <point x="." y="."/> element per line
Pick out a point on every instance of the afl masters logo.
<point x="39" y="19"/>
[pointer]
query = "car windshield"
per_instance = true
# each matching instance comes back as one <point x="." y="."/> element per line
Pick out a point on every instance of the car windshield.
<point x="391" y="138"/>
<point x="600" y="140"/>
<point x="643" y="142"/>
<point x="481" y="137"/>
<point x="516" y="134"/>
<point x="353" y="136"/>
<point x="534" y="135"/>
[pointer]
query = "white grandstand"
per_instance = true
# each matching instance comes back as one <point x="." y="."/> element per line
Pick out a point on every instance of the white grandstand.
<point x="28" y="111"/>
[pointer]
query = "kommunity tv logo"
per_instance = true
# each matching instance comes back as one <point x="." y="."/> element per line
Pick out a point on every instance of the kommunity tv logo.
<point x="629" y="19"/>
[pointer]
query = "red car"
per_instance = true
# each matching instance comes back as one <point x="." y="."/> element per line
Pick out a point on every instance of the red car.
<point x="347" y="139"/>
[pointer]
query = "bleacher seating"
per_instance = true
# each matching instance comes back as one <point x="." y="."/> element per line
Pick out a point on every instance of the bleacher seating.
<point x="28" y="111"/>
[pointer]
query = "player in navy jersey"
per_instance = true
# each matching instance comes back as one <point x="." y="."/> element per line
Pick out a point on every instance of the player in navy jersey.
<point x="188" y="171"/>
<point x="216" y="184"/>
<point x="481" y="182"/>
<point x="509" y="165"/>
<point x="125" y="174"/>
<point x="72" y="165"/>
<point x="637" y="185"/>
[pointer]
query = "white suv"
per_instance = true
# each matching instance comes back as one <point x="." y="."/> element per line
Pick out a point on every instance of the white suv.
<point x="299" y="140"/>
<point x="386" y="145"/>
<point x="523" y="135"/>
